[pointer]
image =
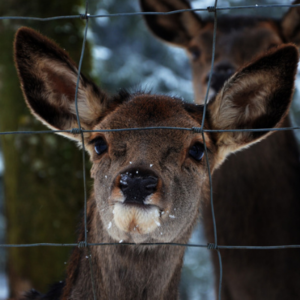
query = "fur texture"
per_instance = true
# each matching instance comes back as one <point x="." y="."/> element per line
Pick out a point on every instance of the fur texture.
<point x="148" y="184"/>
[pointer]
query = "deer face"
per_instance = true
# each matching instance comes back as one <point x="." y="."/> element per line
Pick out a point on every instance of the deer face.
<point x="144" y="179"/>
<point x="148" y="183"/>
<point x="238" y="39"/>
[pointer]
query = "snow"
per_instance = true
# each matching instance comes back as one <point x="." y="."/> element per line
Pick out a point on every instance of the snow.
<point x="1" y="164"/>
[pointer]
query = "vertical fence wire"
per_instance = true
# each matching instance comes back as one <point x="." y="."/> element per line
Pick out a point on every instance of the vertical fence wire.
<point x="85" y="17"/>
<point x="214" y="10"/>
<point x="81" y="131"/>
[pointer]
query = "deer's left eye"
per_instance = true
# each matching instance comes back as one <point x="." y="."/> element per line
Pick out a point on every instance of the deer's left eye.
<point x="197" y="151"/>
<point x="100" y="146"/>
<point x="195" y="53"/>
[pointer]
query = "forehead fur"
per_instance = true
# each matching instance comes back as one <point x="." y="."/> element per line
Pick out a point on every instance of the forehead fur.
<point x="150" y="110"/>
<point x="226" y="23"/>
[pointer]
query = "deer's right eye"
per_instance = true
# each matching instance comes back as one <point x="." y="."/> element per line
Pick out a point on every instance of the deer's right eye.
<point x="197" y="151"/>
<point x="100" y="146"/>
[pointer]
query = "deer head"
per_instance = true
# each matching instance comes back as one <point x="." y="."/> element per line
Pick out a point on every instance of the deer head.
<point x="148" y="183"/>
<point x="143" y="178"/>
<point x="239" y="39"/>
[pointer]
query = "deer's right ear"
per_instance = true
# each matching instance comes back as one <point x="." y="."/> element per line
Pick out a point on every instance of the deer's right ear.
<point x="177" y="29"/>
<point x="48" y="79"/>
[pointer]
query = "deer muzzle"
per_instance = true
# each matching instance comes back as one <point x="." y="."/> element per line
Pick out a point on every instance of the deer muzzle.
<point x="139" y="210"/>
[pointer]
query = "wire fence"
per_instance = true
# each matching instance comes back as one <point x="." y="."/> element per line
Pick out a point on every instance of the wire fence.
<point x="211" y="246"/>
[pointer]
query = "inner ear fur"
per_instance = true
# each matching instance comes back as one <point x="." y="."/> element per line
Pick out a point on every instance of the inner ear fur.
<point x="258" y="96"/>
<point x="48" y="79"/>
<point x="290" y="24"/>
<point x="177" y="29"/>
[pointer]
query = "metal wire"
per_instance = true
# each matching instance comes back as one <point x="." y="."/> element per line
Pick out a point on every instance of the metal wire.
<point x="200" y="130"/>
<point x="195" y="129"/>
<point x="83" y="146"/>
<point x="214" y="10"/>
<point x="208" y="246"/>
<point x="131" y="14"/>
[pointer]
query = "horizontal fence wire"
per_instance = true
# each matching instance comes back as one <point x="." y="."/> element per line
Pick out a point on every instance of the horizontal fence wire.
<point x="195" y="129"/>
<point x="208" y="246"/>
<point x="80" y="131"/>
<point x="132" y="14"/>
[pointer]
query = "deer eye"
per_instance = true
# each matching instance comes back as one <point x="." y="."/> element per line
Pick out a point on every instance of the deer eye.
<point x="195" y="52"/>
<point x="197" y="151"/>
<point x="100" y="146"/>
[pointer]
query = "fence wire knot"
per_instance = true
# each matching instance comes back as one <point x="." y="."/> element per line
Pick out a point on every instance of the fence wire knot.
<point x="197" y="129"/>
<point x="84" y="16"/>
<point x="81" y="244"/>
<point x="76" y="130"/>
<point x="211" y="9"/>
<point x="212" y="246"/>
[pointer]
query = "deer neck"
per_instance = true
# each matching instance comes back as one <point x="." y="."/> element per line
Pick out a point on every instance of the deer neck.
<point x="122" y="271"/>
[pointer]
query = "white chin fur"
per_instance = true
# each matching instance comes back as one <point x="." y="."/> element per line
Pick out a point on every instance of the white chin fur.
<point x="136" y="220"/>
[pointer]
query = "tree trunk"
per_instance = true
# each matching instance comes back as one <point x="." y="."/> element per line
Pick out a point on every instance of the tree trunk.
<point x="43" y="173"/>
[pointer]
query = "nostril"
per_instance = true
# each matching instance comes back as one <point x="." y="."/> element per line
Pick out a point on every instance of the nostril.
<point x="151" y="186"/>
<point x="124" y="180"/>
<point x="219" y="76"/>
<point x="150" y="183"/>
<point x="223" y="67"/>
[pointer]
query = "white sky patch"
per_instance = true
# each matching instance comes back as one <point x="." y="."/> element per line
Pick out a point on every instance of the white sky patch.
<point x="102" y="21"/>
<point x="204" y="3"/>
<point x="101" y="53"/>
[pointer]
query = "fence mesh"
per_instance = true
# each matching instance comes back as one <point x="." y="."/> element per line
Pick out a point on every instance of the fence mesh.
<point x="86" y="16"/>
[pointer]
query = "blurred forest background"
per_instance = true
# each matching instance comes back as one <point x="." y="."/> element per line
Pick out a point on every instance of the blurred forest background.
<point x="41" y="191"/>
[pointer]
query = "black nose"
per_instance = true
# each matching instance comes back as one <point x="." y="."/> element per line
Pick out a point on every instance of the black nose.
<point x="137" y="185"/>
<point x="220" y="74"/>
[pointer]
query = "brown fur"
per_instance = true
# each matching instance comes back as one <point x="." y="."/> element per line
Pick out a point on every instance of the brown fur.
<point x="115" y="215"/>
<point x="256" y="192"/>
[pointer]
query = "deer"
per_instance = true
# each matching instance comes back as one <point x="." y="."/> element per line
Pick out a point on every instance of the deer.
<point x="148" y="184"/>
<point x="256" y="191"/>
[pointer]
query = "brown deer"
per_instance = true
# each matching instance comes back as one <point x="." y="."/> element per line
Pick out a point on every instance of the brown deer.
<point x="256" y="192"/>
<point x="147" y="184"/>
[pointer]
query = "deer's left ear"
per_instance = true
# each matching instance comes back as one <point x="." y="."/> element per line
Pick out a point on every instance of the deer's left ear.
<point x="258" y="96"/>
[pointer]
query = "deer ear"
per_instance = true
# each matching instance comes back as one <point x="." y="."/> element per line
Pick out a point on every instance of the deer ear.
<point x="177" y="29"/>
<point x="48" y="79"/>
<point x="258" y="96"/>
<point x="290" y="24"/>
